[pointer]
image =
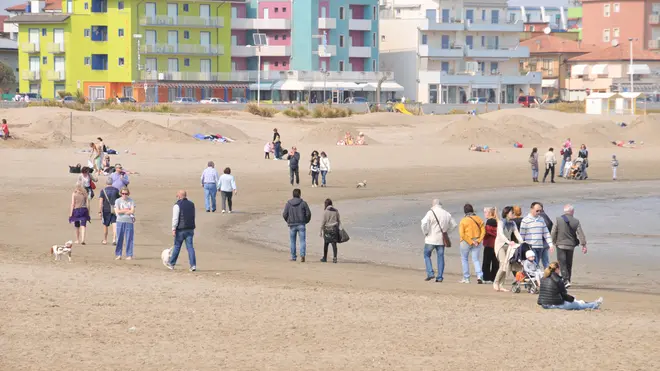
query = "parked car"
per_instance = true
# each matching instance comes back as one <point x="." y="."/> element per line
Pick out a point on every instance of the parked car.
<point x="184" y="100"/>
<point x="478" y="100"/>
<point x="528" y="101"/>
<point x="356" y="100"/>
<point x="239" y="100"/>
<point x="127" y="100"/>
<point x="68" y="99"/>
<point x="212" y="101"/>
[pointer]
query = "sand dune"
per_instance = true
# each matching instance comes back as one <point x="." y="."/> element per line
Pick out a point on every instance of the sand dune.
<point x="81" y="124"/>
<point x="145" y="131"/>
<point x="205" y="126"/>
<point x="330" y="131"/>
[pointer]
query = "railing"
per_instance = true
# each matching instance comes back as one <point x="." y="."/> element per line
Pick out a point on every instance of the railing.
<point x="31" y="75"/>
<point x="183" y="49"/>
<point x="327" y="23"/>
<point x="359" y="52"/>
<point x="359" y="24"/>
<point x="251" y="76"/>
<point x="30" y="47"/>
<point x="654" y="44"/>
<point x="56" y="76"/>
<point x="55" y="48"/>
<point x="654" y="18"/>
<point x="188" y="21"/>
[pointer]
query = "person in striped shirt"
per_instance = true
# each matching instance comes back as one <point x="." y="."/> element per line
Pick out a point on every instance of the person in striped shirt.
<point x="534" y="231"/>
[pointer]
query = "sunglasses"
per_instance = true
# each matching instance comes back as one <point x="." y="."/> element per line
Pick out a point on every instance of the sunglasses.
<point x="124" y="194"/>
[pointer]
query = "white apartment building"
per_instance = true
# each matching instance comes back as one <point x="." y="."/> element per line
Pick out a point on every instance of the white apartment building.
<point x="447" y="51"/>
<point x="555" y="17"/>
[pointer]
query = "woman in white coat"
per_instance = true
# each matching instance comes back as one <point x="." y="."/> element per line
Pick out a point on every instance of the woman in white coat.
<point x="506" y="230"/>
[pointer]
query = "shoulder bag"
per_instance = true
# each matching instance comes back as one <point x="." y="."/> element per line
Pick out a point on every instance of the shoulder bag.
<point x="445" y="236"/>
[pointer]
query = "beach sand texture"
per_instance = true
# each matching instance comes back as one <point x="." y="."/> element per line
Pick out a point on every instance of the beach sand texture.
<point x="247" y="307"/>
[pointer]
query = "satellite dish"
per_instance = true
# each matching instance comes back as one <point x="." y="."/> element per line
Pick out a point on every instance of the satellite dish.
<point x="615" y="42"/>
<point x="547" y="30"/>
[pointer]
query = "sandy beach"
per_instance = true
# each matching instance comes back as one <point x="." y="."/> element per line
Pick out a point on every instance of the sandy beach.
<point x="248" y="307"/>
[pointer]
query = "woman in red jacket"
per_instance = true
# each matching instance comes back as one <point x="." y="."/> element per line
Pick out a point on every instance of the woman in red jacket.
<point x="490" y="263"/>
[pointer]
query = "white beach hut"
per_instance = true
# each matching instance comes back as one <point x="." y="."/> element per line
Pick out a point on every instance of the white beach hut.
<point x="627" y="103"/>
<point x="601" y="103"/>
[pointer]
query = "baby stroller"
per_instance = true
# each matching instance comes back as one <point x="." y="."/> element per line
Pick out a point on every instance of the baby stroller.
<point x="575" y="172"/>
<point x="522" y="279"/>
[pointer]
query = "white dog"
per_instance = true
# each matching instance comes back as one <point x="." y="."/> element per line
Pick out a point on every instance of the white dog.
<point x="165" y="256"/>
<point x="362" y="184"/>
<point x="59" y="250"/>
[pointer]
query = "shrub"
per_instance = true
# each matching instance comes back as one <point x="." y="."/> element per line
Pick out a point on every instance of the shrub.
<point x="293" y="113"/>
<point x="578" y="106"/>
<point x="456" y="111"/>
<point x="331" y="112"/>
<point x="80" y="97"/>
<point x="63" y="94"/>
<point x="260" y="111"/>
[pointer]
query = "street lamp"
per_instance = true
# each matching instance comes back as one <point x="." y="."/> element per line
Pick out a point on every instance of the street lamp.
<point x="260" y="40"/>
<point x="137" y="37"/>
<point x="630" y="70"/>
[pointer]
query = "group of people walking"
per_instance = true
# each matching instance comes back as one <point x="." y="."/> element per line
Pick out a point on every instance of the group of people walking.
<point x="213" y="183"/>
<point x="319" y="164"/>
<point x="498" y="238"/>
<point x="566" y="153"/>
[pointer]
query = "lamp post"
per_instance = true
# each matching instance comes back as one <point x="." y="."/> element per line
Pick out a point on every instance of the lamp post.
<point x="258" y="75"/>
<point x="137" y="37"/>
<point x="325" y="82"/>
<point x="630" y="69"/>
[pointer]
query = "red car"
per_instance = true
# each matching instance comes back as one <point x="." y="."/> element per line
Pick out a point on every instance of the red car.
<point x="528" y="101"/>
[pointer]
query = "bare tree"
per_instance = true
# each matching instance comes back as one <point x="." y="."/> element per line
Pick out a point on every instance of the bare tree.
<point x="7" y="76"/>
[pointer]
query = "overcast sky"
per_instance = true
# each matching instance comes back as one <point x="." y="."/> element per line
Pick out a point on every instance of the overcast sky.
<point x="7" y="3"/>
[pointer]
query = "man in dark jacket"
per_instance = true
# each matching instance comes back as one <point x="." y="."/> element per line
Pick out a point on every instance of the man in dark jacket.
<point x="297" y="214"/>
<point x="294" y="162"/>
<point x="278" y="144"/>
<point x="545" y="257"/>
<point x="183" y="229"/>
<point x="567" y="234"/>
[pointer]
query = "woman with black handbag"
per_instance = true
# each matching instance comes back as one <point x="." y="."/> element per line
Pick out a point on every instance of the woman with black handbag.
<point x="331" y="231"/>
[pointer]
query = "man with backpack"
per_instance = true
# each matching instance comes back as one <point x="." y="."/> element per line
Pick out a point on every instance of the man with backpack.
<point x="567" y="234"/>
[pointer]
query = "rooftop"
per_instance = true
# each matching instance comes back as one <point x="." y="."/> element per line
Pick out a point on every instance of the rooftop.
<point x="555" y="44"/>
<point x="40" y="18"/>
<point x="51" y="5"/>
<point x="618" y="53"/>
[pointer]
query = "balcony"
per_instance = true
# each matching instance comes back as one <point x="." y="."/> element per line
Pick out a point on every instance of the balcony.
<point x="327" y="23"/>
<point x="55" y="48"/>
<point x="452" y="25"/>
<point x="99" y="33"/>
<point x="183" y="21"/>
<point x="654" y="19"/>
<point x="498" y="53"/>
<point x="56" y="76"/>
<point x="359" y="24"/>
<point x="359" y="52"/>
<point x="467" y="79"/>
<point x="438" y="52"/>
<point x="251" y="76"/>
<point x="260" y="24"/>
<point x="30" y="48"/>
<point x="31" y="75"/>
<point x="654" y="44"/>
<point x="183" y="49"/>
<point x="501" y="26"/>
<point x="266" y="51"/>
<point x="327" y="51"/>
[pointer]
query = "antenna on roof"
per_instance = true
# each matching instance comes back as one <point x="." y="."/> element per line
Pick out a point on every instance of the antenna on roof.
<point x="615" y="42"/>
<point x="547" y="30"/>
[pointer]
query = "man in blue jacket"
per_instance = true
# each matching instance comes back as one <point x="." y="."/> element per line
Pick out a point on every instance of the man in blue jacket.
<point x="297" y="215"/>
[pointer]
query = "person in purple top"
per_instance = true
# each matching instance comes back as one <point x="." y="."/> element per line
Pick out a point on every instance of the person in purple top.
<point x="119" y="177"/>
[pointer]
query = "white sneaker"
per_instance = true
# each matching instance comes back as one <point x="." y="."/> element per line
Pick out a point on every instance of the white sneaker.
<point x="169" y="266"/>
<point x="229" y="212"/>
<point x="599" y="302"/>
<point x="223" y="211"/>
<point x="464" y="280"/>
<point x="567" y="284"/>
<point x="193" y="268"/>
<point x="118" y="257"/>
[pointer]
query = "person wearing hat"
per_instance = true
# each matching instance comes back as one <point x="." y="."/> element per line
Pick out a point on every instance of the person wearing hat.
<point x="532" y="268"/>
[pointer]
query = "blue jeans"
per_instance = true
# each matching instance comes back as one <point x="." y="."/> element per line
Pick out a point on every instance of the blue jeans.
<point x="440" y="252"/>
<point x="278" y="150"/>
<point x="574" y="306"/>
<point x="210" y="191"/>
<point x="184" y="235"/>
<point x="301" y="231"/>
<point x="535" y="173"/>
<point x="475" y="251"/>
<point x="323" y="174"/>
<point x="563" y="164"/>
<point x="542" y="256"/>
<point x="125" y="231"/>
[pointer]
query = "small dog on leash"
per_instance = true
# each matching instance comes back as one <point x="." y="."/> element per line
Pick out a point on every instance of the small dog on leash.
<point x="362" y="184"/>
<point x="165" y="256"/>
<point x="59" y="250"/>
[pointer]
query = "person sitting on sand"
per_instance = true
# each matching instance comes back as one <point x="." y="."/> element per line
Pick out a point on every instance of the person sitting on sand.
<point x="360" y="140"/>
<point x="348" y="139"/>
<point x="475" y="148"/>
<point x="5" y="129"/>
<point x="553" y="294"/>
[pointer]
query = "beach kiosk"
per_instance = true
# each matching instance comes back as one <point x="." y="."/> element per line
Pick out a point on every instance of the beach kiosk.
<point x="601" y="103"/>
<point x="627" y="104"/>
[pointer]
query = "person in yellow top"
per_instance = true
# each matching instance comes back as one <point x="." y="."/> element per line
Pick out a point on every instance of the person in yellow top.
<point x="472" y="231"/>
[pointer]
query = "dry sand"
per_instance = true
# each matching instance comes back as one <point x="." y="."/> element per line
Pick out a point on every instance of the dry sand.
<point x="248" y="307"/>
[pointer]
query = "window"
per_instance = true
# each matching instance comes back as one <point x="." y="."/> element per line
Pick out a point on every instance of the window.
<point x="494" y="67"/>
<point x="185" y="7"/>
<point x="277" y="9"/>
<point x="606" y="35"/>
<point x="615" y="32"/>
<point x="45" y="60"/>
<point x="284" y="9"/>
<point x="284" y="64"/>
<point x="86" y="6"/>
<point x="186" y="62"/>
<point x="87" y="32"/>
<point x="433" y="93"/>
<point x="373" y="40"/>
<point x="532" y="65"/>
<point x="483" y="41"/>
<point x="120" y="32"/>
<point x="283" y="37"/>
<point x="341" y="66"/>
<point x="373" y="65"/>
<point x="483" y="15"/>
<point x="512" y="18"/>
<point x="606" y="10"/>
<point x="186" y="35"/>
<point x="547" y="66"/>
<point x="341" y="12"/>
<point x="44" y="32"/>
<point x="120" y="5"/>
<point x="531" y="28"/>
<point x="341" y="41"/>
<point x="374" y="13"/>
<point x="86" y="61"/>
<point x="617" y="7"/>
<point x="277" y="64"/>
<point x="121" y="62"/>
<point x="277" y="37"/>
<point x="424" y="40"/>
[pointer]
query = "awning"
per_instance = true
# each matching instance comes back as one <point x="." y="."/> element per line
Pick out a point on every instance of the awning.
<point x="578" y="69"/>
<point x="262" y="86"/>
<point x="183" y="84"/>
<point x="387" y="86"/>
<point x="290" y="85"/>
<point x="599" y="69"/>
<point x="639" y="69"/>
<point x="550" y="83"/>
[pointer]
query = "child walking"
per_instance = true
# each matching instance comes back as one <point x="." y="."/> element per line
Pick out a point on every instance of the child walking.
<point x="615" y="165"/>
<point x="315" y="169"/>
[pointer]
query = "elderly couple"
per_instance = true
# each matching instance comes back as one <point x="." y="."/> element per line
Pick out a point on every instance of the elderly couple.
<point x="567" y="232"/>
<point x="212" y="183"/>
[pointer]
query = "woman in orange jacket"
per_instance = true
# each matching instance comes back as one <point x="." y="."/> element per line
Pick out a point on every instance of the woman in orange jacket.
<point x="472" y="231"/>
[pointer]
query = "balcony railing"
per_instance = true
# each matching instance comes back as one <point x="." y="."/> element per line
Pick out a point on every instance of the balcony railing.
<point x="190" y="49"/>
<point x="56" y="76"/>
<point x="451" y="25"/>
<point x="327" y="23"/>
<point x="654" y="19"/>
<point x="184" y="21"/>
<point x="492" y="51"/>
<point x="359" y="52"/>
<point x="55" y="48"/>
<point x="325" y="51"/>
<point x="654" y="44"/>
<point x="264" y="51"/>
<point x="30" y="47"/>
<point x="499" y="25"/>
<point x="440" y="52"/>
<point x="359" y="24"/>
<point x="251" y="76"/>
<point x="31" y="75"/>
